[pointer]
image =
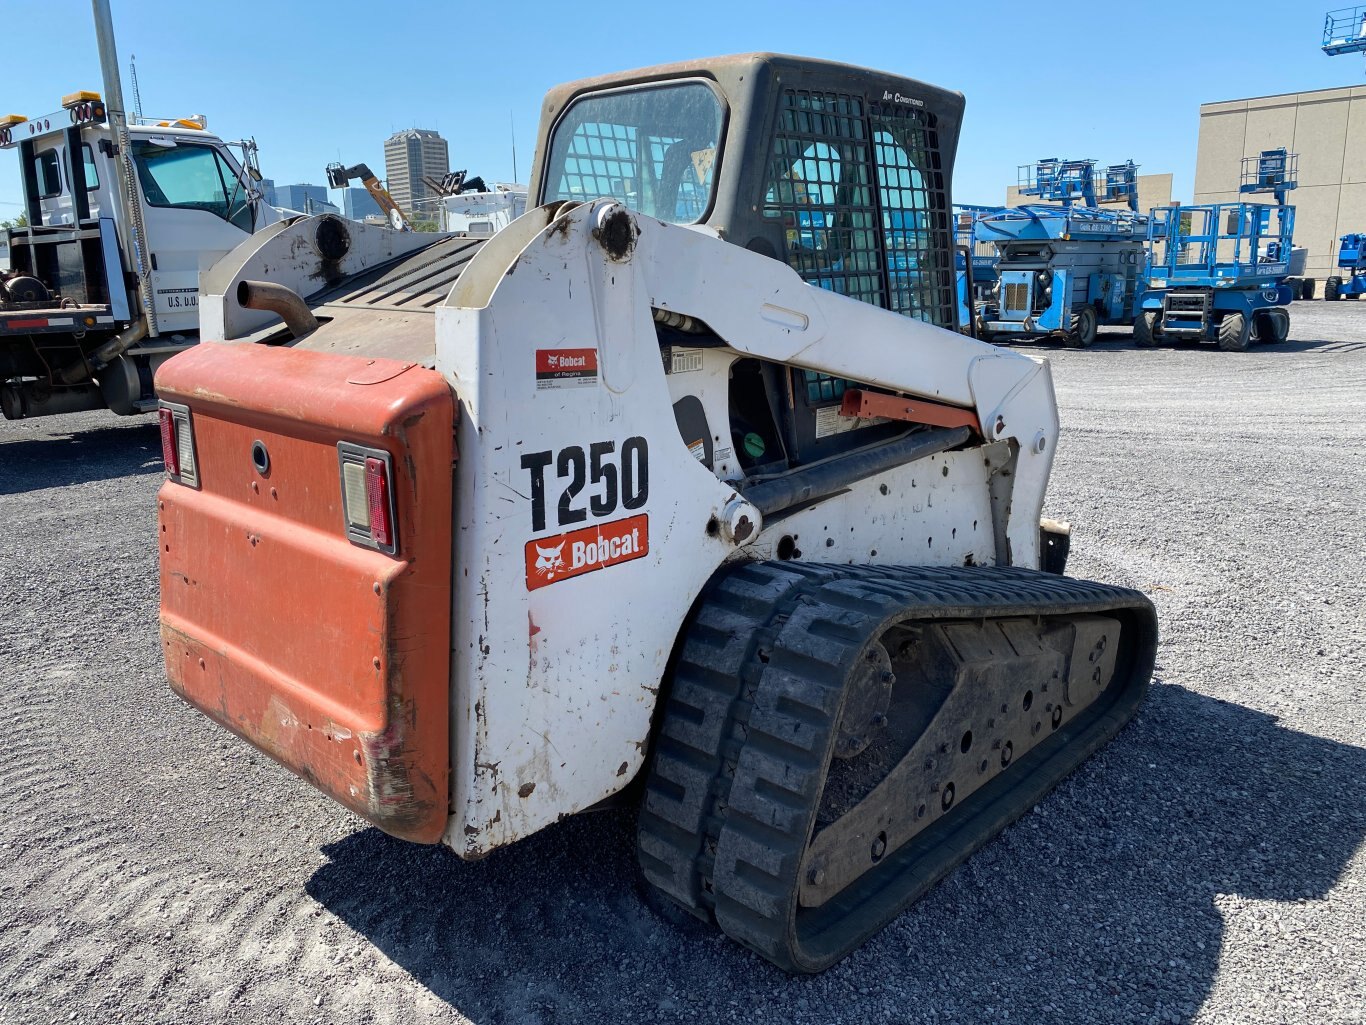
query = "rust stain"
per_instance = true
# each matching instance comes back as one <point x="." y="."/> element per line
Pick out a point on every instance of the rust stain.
<point x="525" y="789"/>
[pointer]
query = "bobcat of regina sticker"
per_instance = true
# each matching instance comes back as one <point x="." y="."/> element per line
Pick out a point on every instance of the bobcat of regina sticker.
<point x="552" y="559"/>
<point x="566" y="368"/>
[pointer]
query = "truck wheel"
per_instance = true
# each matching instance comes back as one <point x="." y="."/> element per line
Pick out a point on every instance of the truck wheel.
<point x="1083" y="331"/>
<point x="1146" y="329"/>
<point x="1332" y="289"/>
<point x="1234" y="332"/>
<point x="1307" y="288"/>
<point x="1273" y="325"/>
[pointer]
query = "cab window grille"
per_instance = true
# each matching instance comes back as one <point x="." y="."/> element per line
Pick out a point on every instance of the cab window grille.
<point x="859" y="189"/>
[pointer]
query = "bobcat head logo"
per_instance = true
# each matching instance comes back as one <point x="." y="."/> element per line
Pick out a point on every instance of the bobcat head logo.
<point x="554" y="361"/>
<point x="549" y="561"/>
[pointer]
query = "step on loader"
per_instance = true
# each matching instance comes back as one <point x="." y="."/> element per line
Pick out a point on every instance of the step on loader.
<point x="679" y="489"/>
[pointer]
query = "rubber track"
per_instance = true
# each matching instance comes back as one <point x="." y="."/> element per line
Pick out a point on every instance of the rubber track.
<point x="741" y="757"/>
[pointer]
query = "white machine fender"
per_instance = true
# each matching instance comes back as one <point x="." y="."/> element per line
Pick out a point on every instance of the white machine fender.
<point x="552" y="689"/>
<point x="566" y="419"/>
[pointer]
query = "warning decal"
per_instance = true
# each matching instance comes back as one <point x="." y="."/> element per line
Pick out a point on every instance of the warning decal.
<point x="552" y="559"/>
<point x="566" y="368"/>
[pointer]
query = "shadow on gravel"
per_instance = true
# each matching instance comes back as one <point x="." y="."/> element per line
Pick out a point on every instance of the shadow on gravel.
<point x="1312" y="345"/>
<point x="1097" y="907"/>
<point x="100" y="454"/>
<point x="1115" y="342"/>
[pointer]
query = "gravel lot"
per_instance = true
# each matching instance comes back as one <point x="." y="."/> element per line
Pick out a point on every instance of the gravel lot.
<point x="1208" y="866"/>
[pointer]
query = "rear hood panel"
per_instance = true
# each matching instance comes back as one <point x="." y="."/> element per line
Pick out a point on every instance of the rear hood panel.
<point x="356" y="702"/>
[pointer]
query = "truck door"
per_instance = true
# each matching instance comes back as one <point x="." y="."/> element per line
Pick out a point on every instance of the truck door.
<point x="196" y="208"/>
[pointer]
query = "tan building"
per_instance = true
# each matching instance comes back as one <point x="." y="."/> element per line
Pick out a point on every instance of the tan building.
<point x="1153" y="190"/>
<point x="1327" y="128"/>
<point x="409" y="156"/>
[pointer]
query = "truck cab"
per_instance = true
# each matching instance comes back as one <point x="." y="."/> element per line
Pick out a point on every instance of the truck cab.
<point x="75" y="279"/>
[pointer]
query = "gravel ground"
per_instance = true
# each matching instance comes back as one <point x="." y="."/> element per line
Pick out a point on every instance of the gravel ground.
<point x="1207" y="866"/>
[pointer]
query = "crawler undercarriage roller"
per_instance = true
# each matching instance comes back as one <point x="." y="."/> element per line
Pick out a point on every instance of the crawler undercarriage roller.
<point x="837" y="739"/>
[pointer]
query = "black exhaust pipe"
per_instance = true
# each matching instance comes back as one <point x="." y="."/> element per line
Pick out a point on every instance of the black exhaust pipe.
<point x="277" y="299"/>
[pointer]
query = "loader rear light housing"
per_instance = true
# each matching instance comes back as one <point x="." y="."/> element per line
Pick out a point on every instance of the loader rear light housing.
<point x="177" y="444"/>
<point x="367" y="487"/>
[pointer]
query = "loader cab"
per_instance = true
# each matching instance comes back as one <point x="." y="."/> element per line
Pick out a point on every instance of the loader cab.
<point x="841" y="172"/>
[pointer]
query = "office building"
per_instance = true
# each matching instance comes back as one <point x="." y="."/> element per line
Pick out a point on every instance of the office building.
<point x="410" y="156"/>
<point x="1327" y="128"/>
<point x="306" y="199"/>
<point x="357" y="204"/>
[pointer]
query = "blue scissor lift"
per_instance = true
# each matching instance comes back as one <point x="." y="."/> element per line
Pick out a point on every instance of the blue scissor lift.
<point x="1217" y="272"/>
<point x="1066" y="269"/>
<point x="1351" y="283"/>
<point x="974" y="263"/>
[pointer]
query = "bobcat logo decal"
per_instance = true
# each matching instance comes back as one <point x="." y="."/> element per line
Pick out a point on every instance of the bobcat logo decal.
<point x="550" y="561"/>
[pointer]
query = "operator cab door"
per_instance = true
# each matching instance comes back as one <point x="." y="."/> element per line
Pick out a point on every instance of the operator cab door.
<point x="865" y="213"/>
<point x="196" y="208"/>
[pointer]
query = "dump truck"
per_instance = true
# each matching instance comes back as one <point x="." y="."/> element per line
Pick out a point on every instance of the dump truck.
<point x="103" y="283"/>
<point x="680" y="491"/>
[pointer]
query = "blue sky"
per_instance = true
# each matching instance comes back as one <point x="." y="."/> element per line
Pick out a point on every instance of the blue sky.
<point x="317" y="82"/>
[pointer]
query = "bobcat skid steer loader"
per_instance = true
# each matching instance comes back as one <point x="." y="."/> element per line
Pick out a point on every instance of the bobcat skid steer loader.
<point x="684" y="475"/>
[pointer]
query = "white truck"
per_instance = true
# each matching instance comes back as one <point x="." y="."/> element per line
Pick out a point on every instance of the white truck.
<point x="485" y="210"/>
<point x="103" y="281"/>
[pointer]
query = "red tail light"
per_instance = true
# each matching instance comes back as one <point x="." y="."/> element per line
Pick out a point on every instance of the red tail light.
<point x="380" y="501"/>
<point x="367" y="476"/>
<point x="169" y="453"/>
<point x="177" y="444"/>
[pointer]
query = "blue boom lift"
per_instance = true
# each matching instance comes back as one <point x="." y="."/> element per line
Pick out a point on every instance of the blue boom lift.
<point x="1216" y="271"/>
<point x="1066" y="269"/>
<point x="1344" y="31"/>
<point x="1352" y="262"/>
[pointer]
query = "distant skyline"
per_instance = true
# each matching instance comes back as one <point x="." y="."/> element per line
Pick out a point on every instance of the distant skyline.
<point x="1035" y="86"/>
